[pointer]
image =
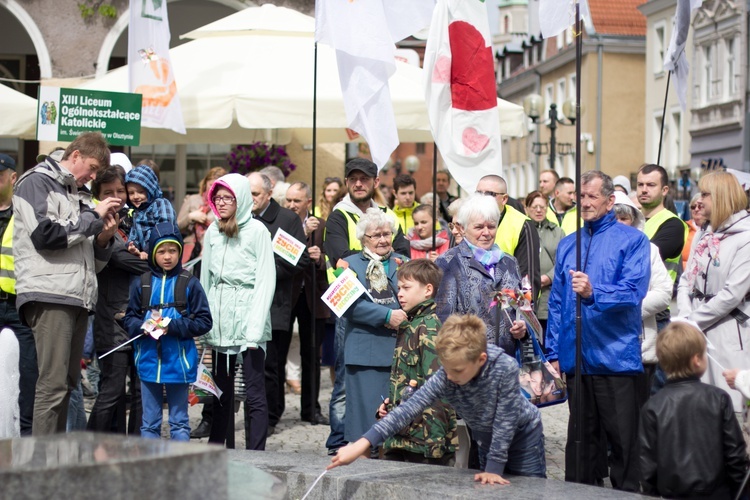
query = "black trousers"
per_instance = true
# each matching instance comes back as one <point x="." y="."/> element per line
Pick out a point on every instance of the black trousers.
<point x="223" y="371"/>
<point x="276" y="353"/>
<point x="256" y="411"/>
<point x="110" y="408"/>
<point x="27" y="364"/>
<point x="311" y="333"/>
<point x="610" y="407"/>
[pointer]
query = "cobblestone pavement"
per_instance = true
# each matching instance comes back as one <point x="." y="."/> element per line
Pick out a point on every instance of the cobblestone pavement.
<point x="294" y="436"/>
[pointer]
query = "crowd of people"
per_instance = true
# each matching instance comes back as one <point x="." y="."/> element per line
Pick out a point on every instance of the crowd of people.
<point x="433" y="331"/>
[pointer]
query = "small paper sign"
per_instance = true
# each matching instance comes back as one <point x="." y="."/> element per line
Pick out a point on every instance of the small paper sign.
<point x="343" y="292"/>
<point x="155" y="326"/>
<point x="287" y="247"/>
<point x="206" y="382"/>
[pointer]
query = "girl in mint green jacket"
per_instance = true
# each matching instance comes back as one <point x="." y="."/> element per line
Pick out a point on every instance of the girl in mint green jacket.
<point x="239" y="276"/>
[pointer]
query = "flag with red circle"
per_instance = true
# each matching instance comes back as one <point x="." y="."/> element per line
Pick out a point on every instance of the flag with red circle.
<point x="461" y="91"/>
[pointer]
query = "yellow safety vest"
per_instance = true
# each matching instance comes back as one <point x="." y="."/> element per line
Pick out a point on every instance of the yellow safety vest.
<point x="568" y="225"/>
<point x="509" y="230"/>
<point x="552" y="216"/>
<point x="652" y="226"/>
<point x="7" y="266"/>
<point x="354" y="243"/>
<point x="403" y="216"/>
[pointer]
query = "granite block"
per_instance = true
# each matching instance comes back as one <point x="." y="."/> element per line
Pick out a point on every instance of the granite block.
<point x="371" y="479"/>
<point x="112" y="467"/>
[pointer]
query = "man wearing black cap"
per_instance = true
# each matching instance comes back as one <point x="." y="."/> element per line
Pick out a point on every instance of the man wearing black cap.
<point x="341" y="241"/>
<point x="8" y="314"/>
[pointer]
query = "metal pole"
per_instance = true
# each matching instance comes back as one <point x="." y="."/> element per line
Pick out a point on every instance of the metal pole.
<point x="577" y="382"/>
<point x="552" y="139"/>
<point x="434" y="193"/>
<point x="313" y="351"/>
<point x="663" y="117"/>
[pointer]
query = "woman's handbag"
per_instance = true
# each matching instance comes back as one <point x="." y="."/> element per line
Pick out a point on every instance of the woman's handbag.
<point x="540" y="382"/>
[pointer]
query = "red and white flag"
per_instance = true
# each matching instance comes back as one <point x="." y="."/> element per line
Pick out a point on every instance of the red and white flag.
<point x="461" y="93"/>
<point x="364" y="33"/>
<point x="149" y="67"/>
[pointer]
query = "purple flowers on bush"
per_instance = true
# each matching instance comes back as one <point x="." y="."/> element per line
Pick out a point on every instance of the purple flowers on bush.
<point x="243" y="159"/>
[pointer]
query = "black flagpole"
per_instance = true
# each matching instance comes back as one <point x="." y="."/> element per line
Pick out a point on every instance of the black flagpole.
<point x="663" y="116"/>
<point x="313" y="354"/>
<point x="434" y="193"/>
<point x="577" y="382"/>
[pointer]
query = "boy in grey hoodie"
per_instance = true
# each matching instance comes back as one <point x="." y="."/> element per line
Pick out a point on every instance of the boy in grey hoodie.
<point x="480" y="381"/>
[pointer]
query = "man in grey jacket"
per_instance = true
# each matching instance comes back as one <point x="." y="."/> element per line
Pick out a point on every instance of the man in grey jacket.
<point x="58" y="244"/>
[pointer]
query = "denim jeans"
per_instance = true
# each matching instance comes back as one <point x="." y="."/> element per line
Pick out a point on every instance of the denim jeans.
<point x="526" y="452"/>
<point x="337" y="406"/>
<point x="76" y="412"/>
<point x="177" y="400"/>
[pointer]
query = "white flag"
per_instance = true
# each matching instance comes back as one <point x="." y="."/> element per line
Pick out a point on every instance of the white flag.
<point x="675" y="59"/>
<point x="364" y="33"/>
<point x="555" y="16"/>
<point x="460" y="91"/>
<point x="151" y="71"/>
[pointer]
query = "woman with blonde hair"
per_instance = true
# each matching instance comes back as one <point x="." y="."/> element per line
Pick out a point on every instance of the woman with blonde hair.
<point x="195" y="215"/>
<point x="333" y="191"/>
<point x="714" y="287"/>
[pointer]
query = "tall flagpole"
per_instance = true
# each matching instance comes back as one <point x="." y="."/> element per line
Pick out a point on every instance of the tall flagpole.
<point x="663" y="117"/>
<point x="577" y="382"/>
<point x="312" y="348"/>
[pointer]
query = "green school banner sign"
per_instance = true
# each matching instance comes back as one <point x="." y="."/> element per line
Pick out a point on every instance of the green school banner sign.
<point x="63" y="114"/>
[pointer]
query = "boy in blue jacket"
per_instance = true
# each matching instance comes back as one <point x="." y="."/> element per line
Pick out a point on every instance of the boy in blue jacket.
<point x="170" y="359"/>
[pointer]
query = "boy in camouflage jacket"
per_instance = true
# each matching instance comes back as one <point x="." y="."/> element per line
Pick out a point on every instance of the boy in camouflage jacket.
<point x="431" y="438"/>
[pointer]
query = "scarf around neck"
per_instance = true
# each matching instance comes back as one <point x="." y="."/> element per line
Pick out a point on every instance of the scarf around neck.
<point x="488" y="258"/>
<point x="376" y="277"/>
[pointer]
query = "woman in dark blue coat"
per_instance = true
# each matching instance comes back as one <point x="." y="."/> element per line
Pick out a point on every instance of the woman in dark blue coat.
<point x="371" y="322"/>
<point x="476" y="269"/>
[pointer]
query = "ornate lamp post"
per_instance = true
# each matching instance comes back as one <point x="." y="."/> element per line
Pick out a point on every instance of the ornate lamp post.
<point x="533" y="105"/>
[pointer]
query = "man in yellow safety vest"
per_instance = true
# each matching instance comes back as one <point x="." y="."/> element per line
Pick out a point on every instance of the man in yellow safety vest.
<point x="664" y="228"/>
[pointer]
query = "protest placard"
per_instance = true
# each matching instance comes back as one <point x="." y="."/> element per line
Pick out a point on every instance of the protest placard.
<point x="343" y="292"/>
<point x="206" y="382"/>
<point x="287" y="247"/>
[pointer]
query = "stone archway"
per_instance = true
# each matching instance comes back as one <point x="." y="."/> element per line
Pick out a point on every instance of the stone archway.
<point x="40" y="46"/>
<point x="114" y="34"/>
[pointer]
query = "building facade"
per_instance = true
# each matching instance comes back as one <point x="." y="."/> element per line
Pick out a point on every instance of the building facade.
<point x="719" y="66"/>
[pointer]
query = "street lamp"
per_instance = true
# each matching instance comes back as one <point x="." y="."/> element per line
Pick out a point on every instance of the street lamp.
<point x="533" y="105"/>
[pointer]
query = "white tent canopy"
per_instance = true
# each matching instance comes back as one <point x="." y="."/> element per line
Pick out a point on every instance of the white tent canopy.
<point x="239" y="88"/>
<point x="18" y="114"/>
<point x="267" y="19"/>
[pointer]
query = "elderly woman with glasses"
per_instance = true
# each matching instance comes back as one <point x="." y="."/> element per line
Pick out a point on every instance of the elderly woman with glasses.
<point x="372" y="322"/>
<point x="549" y="236"/>
<point x="475" y="270"/>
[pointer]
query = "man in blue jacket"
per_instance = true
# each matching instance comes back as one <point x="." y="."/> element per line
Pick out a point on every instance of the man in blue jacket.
<point x="613" y="281"/>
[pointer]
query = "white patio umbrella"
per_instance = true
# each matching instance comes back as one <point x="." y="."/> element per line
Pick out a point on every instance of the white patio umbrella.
<point x="18" y="114"/>
<point x="267" y="19"/>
